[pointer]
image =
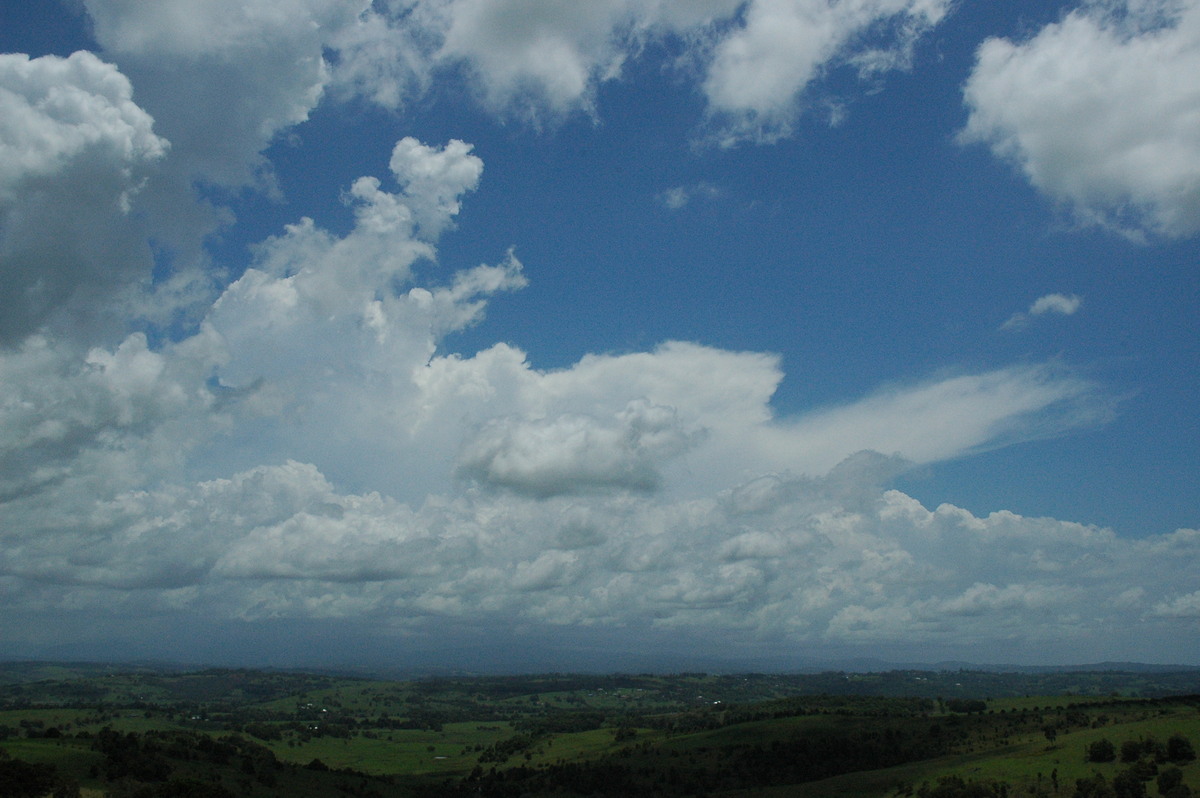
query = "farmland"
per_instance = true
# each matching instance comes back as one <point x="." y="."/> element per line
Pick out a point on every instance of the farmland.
<point x="120" y="732"/>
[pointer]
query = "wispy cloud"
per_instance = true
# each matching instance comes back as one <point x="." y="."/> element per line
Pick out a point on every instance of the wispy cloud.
<point x="679" y="196"/>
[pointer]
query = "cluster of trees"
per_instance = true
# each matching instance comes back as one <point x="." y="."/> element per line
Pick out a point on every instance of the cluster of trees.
<point x="957" y="787"/>
<point x="1177" y="749"/>
<point x="20" y="779"/>
<point x="1144" y="757"/>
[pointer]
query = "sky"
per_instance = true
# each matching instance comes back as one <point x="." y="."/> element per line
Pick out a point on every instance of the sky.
<point x="544" y="335"/>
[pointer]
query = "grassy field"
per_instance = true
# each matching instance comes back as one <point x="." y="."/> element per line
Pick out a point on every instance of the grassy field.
<point x="451" y="750"/>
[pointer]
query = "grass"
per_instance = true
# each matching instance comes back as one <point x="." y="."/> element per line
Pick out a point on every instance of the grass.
<point x="1028" y="760"/>
<point x="72" y="758"/>
<point x="404" y="751"/>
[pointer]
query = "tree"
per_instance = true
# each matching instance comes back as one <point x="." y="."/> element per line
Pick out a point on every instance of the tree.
<point x="1093" y="787"/>
<point x="1179" y="749"/>
<point x="20" y="779"/>
<point x="1168" y="778"/>
<point x="1101" y="750"/>
<point x="1126" y="784"/>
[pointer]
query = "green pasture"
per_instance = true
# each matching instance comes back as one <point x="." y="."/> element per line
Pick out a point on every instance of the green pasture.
<point x="1035" y="760"/>
<point x="1047" y="703"/>
<point x="399" y="751"/>
<point x="580" y="746"/>
<point x="72" y="758"/>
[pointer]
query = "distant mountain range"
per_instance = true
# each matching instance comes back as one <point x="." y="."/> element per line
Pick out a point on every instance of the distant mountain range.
<point x="20" y="670"/>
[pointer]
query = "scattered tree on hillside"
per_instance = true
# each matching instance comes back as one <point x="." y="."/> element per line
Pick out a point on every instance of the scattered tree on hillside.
<point x="1179" y="749"/>
<point x="1127" y="784"/>
<point x="1093" y="787"/>
<point x="1169" y="778"/>
<point x="1101" y="750"/>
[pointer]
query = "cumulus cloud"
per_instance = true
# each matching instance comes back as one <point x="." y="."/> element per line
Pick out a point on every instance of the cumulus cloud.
<point x="379" y="58"/>
<point x="309" y="453"/>
<point x="221" y="78"/>
<point x="307" y="449"/>
<point x="759" y="72"/>
<point x="781" y="559"/>
<point x="1097" y="114"/>
<point x="556" y="53"/>
<point x="1185" y="606"/>
<point x="551" y="456"/>
<point x="543" y="60"/>
<point x="75" y="150"/>
<point x="1061" y="304"/>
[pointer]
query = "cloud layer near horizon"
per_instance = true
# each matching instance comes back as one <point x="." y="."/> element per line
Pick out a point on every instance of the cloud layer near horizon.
<point x="306" y="449"/>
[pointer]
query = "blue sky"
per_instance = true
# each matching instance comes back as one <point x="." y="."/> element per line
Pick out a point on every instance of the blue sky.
<point x="815" y="328"/>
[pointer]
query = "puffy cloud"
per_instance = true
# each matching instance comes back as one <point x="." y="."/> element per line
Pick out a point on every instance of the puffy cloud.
<point x="74" y="152"/>
<point x="58" y="403"/>
<point x="569" y="453"/>
<point x="546" y="59"/>
<point x="379" y="58"/>
<point x="782" y="560"/>
<point x="1097" y="113"/>
<point x="553" y="51"/>
<point x="549" y="57"/>
<point x="1062" y="304"/>
<point x="1055" y="303"/>
<point x="328" y="333"/>
<point x="434" y="178"/>
<point x="309" y="454"/>
<point x="760" y="70"/>
<point x="267" y="60"/>
<point x="313" y="337"/>
<point x="1186" y="606"/>
<point x="221" y="78"/>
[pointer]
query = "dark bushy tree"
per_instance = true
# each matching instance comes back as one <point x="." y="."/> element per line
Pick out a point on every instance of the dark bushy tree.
<point x="1101" y="750"/>
<point x="1093" y="787"/>
<point x="20" y="779"/>
<point x="1168" y="778"/>
<point x="1179" y="749"/>
<point x="1126" y="784"/>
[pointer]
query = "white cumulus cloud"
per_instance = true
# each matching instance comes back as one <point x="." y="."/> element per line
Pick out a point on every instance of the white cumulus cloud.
<point x="309" y="454"/>
<point x="75" y="150"/>
<point x="761" y="69"/>
<point x="1098" y="111"/>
